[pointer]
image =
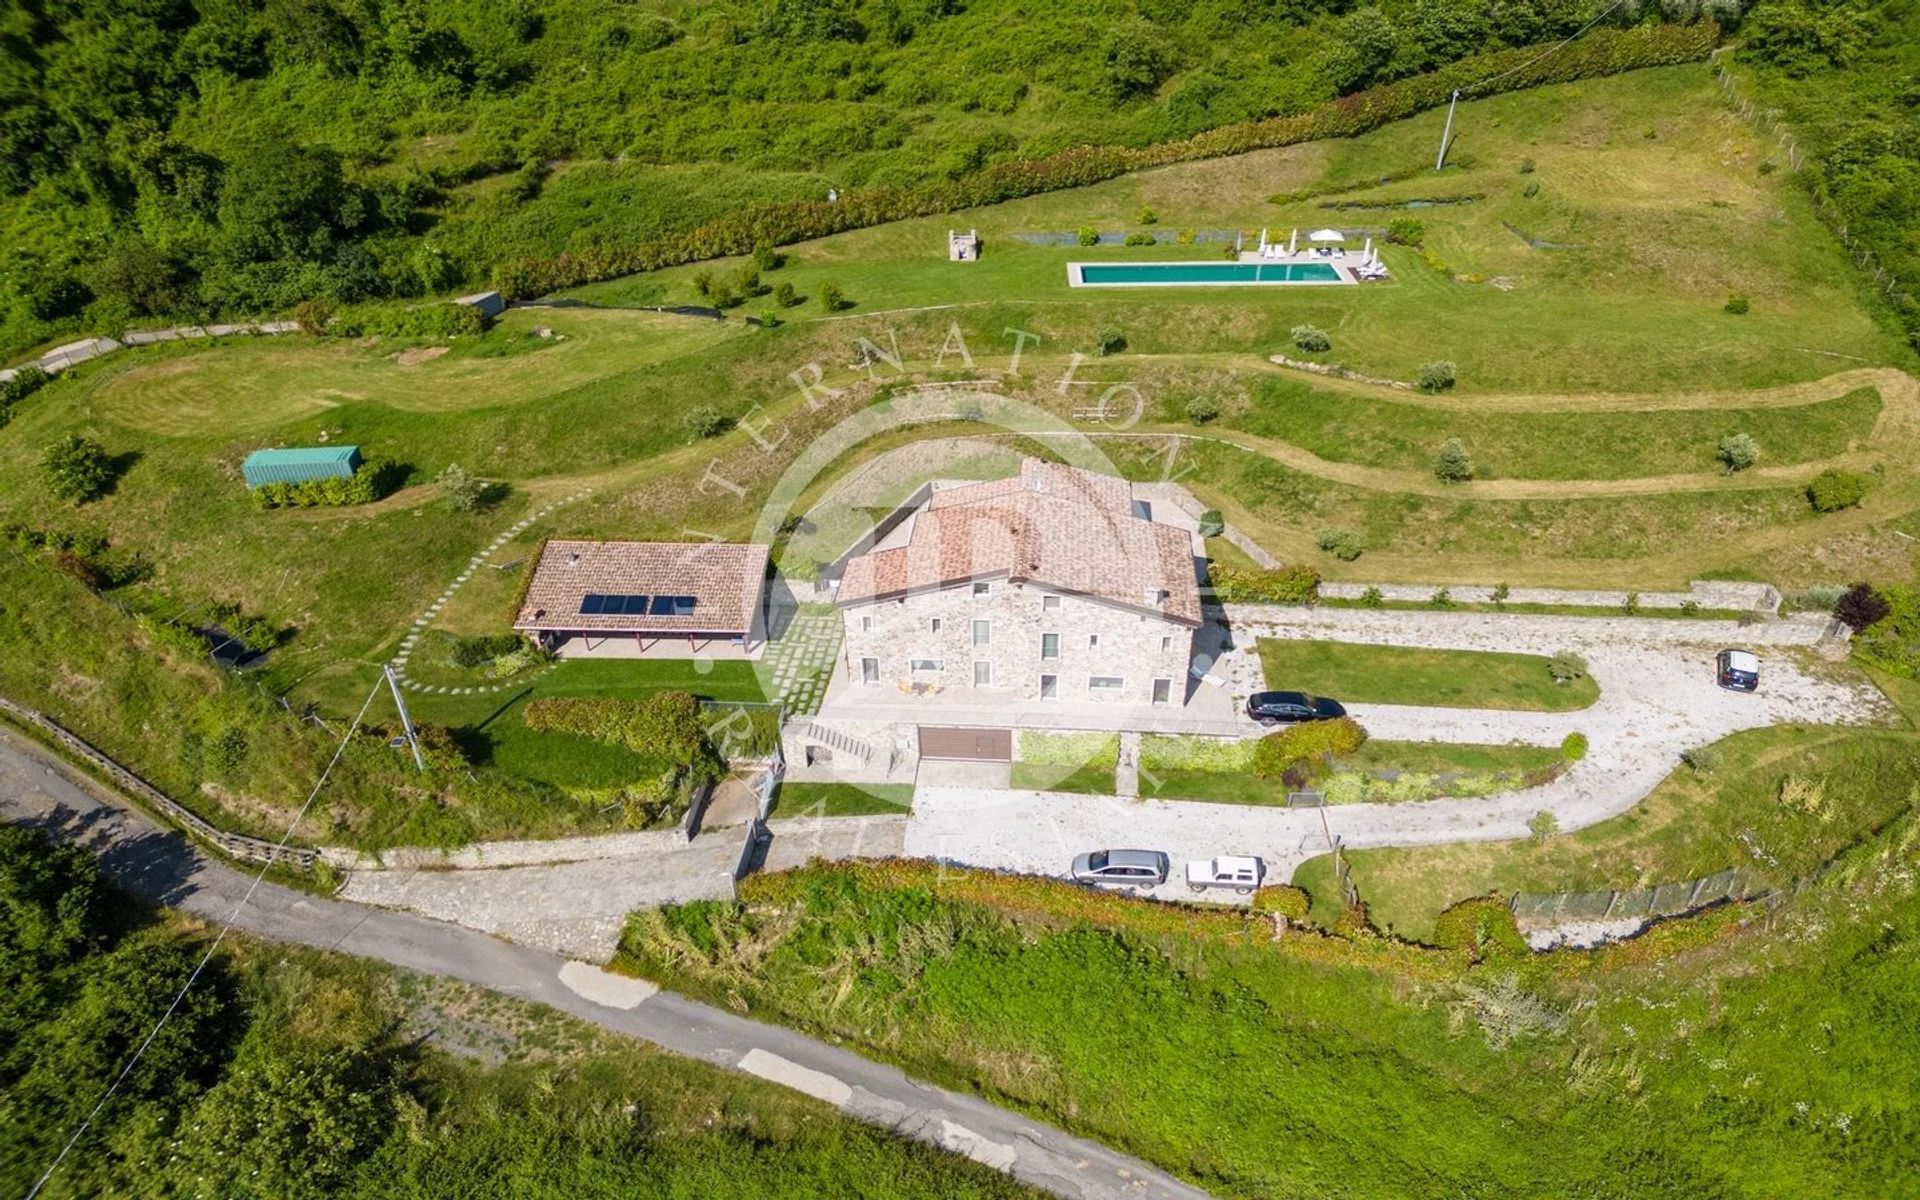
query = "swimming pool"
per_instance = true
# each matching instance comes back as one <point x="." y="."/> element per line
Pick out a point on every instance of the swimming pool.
<point x="1200" y="273"/>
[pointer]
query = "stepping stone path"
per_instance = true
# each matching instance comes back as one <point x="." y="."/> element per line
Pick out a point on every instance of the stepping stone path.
<point x="797" y="666"/>
<point x="479" y="560"/>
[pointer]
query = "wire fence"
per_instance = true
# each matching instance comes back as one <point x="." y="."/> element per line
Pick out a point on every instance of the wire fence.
<point x="1768" y="122"/>
<point x="1662" y="900"/>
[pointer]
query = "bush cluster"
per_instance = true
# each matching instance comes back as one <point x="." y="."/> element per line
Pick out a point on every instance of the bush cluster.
<point x="1452" y="463"/>
<point x="76" y="469"/>
<point x="1311" y="338"/>
<point x="1298" y="584"/>
<point x="1202" y="410"/>
<point x="479" y="651"/>
<point x="1836" y="488"/>
<point x="363" y="487"/>
<point x="1437" y="376"/>
<point x="1600" y="52"/>
<point x="25" y="382"/>
<point x="1483" y="927"/>
<point x="1343" y="544"/>
<point x="665" y="725"/>
<point x="1283" y="898"/>
<point x="1738" y="451"/>
<point x="404" y="321"/>
<point x="1277" y="753"/>
<point x="1573" y="747"/>
<point x="1567" y="667"/>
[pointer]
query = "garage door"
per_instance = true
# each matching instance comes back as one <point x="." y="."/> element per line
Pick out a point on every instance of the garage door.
<point x="980" y="745"/>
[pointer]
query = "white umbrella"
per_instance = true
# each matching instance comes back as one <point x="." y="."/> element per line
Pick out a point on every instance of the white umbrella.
<point x="1327" y="235"/>
<point x="1263" y="237"/>
<point x="1368" y="250"/>
<point x="1293" y="240"/>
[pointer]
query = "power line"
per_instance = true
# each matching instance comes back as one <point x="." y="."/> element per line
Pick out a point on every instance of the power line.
<point x="225" y="928"/>
<point x="1553" y="49"/>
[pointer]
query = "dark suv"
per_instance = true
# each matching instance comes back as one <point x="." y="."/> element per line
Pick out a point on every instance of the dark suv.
<point x="1737" y="670"/>
<point x="1285" y="708"/>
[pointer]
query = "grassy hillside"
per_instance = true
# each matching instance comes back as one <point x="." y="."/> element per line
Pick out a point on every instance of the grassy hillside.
<point x="299" y="1075"/>
<point x="180" y="156"/>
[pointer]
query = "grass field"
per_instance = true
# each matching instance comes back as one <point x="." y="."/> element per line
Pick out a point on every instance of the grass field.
<point x="1693" y="824"/>
<point x="1369" y="674"/>
<point x="842" y="799"/>
<point x="1458" y="770"/>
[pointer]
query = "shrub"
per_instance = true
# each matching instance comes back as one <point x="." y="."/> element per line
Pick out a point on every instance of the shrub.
<point x="1573" y="747"/>
<point x="766" y="258"/>
<point x="462" y="491"/>
<point x="1277" y="753"/>
<point x="313" y="316"/>
<point x="1737" y="304"/>
<point x="1443" y="598"/>
<point x="747" y="280"/>
<point x="770" y="318"/>
<point x="703" y="283"/>
<point x="1531" y="190"/>
<point x="443" y="320"/>
<point x="1406" y="231"/>
<point x="1109" y="339"/>
<point x="1100" y="750"/>
<point x="1738" y="451"/>
<point x="1500" y="593"/>
<point x="1148" y="217"/>
<point x="1372" y="598"/>
<point x="722" y="295"/>
<point x="1704" y="760"/>
<point x="784" y="295"/>
<point x="479" y="651"/>
<point x="375" y="478"/>
<point x="1202" y="409"/>
<point x="1141" y="239"/>
<point x="832" y="299"/>
<point x="1567" y="667"/>
<point x="1088" y="236"/>
<point x="1343" y="544"/>
<point x="1631" y="604"/>
<point x="1299" y="584"/>
<point x="1835" y="488"/>
<point x="1436" y="376"/>
<point x="76" y="469"/>
<point x="1311" y="338"/>
<point x="1212" y="524"/>
<point x="1860" y="606"/>
<point x="707" y="421"/>
<point x="1168" y="752"/>
<point x="1543" y="825"/>
<point x="1284" y="899"/>
<point x="1689" y="608"/>
<point x="1187" y="237"/>
<point x="1483" y="927"/>
<point x="1452" y="463"/>
<point x="1526" y="166"/>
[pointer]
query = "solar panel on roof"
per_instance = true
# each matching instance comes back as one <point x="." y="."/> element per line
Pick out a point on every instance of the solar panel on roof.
<point x="682" y="605"/>
<point x="663" y="606"/>
<point x="593" y="603"/>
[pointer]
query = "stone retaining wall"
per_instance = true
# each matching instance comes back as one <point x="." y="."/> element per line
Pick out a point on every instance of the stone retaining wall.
<point x="1723" y="596"/>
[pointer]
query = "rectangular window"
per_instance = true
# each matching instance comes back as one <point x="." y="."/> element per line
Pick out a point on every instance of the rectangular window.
<point x="982" y="632"/>
<point x="1049" y="645"/>
<point x="982" y="674"/>
<point x="869" y="670"/>
<point x="934" y="625"/>
<point x="866" y="624"/>
<point x="925" y="666"/>
<point x="1105" y="685"/>
<point x="1049" y="604"/>
<point x="1093" y="641"/>
<point x="1163" y="691"/>
<point x="983" y="589"/>
<point x="1166" y="644"/>
<point x="1049" y="686"/>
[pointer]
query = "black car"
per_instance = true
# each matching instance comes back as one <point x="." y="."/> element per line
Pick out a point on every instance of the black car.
<point x="1285" y="708"/>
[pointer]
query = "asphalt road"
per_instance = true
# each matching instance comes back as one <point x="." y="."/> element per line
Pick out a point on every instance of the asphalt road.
<point x="36" y="790"/>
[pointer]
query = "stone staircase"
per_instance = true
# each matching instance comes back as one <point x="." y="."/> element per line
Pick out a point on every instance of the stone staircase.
<point x="838" y="741"/>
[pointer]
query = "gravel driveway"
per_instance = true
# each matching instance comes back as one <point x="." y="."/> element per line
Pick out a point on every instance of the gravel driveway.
<point x="1657" y="698"/>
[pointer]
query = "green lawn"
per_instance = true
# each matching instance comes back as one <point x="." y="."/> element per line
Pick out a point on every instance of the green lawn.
<point x="1369" y="674"/>
<point x="1089" y="780"/>
<point x="1430" y="769"/>
<point x="841" y="799"/>
<point x="1691" y="825"/>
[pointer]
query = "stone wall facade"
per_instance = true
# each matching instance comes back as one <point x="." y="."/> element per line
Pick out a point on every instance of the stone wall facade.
<point x="929" y="640"/>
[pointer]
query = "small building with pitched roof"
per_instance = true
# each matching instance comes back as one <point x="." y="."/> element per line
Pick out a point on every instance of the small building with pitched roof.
<point x="633" y="599"/>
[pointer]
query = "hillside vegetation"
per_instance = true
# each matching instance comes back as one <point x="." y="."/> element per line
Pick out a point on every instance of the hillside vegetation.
<point x="176" y="157"/>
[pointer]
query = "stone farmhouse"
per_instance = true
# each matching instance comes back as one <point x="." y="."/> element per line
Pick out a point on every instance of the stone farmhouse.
<point x="1054" y="585"/>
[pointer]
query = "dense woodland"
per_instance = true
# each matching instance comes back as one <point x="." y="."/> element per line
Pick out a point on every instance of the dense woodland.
<point x="193" y="157"/>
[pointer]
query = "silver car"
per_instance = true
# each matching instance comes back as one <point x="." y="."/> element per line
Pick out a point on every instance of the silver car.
<point x="1121" y="868"/>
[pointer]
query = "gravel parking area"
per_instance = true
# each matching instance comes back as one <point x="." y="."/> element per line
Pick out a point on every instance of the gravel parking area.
<point x="1657" y="698"/>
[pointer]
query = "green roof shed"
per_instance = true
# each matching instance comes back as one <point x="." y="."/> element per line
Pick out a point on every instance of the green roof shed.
<point x="299" y="464"/>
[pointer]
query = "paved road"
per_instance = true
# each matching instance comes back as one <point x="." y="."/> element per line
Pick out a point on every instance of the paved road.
<point x="162" y="866"/>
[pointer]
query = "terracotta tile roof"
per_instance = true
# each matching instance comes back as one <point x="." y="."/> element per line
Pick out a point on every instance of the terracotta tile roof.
<point x="725" y="580"/>
<point x="1056" y="526"/>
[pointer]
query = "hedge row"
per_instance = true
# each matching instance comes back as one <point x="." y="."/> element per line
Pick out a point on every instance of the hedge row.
<point x="1070" y="749"/>
<point x="394" y="320"/>
<point x="1601" y="52"/>
<point x="1163" y="752"/>
<point x="1278" y="753"/>
<point x="1281" y="585"/>
<point x="363" y="487"/>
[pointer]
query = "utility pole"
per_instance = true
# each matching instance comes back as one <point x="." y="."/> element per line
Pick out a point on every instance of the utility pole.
<point x="1446" y="135"/>
<point x="406" y="722"/>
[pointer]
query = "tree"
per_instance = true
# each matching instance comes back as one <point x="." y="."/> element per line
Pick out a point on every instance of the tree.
<point x="1088" y="236"/>
<point x="1452" y="464"/>
<point x="76" y="469"/>
<point x="707" y="421"/>
<point x="1311" y="338"/>
<point x="1110" y="340"/>
<point x="766" y="258"/>
<point x="1738" y="451"/>
<point x="1436" y="376"/>
<point x="784" y="295"/>
<point x="1860" y="606"/>
<point x="462" y="491"/>
<point x="833" y="299"/>
<point x="1137" y="61"/>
